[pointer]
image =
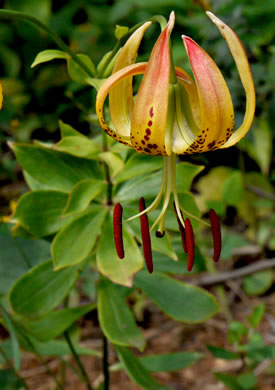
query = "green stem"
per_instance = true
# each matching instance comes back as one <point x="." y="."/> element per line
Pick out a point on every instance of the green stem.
<point x="78" y="361"/>
<point x="31" y="19"/>
<point x="105" y="364"/>
<point x="107" y="171"/>
<point x="13" y="369"/>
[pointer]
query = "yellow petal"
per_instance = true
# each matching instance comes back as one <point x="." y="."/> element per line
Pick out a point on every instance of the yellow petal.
<point x="150" y="111"/>
<point x="216" y="108"/>
<point x="104" y="90"/>
<point x="188" y="83"/>
<point x="239" y="55"/>
<point x="121" y="96"/>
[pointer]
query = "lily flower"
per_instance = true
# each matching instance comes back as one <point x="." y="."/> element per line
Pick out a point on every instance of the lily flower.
<point x="174" y="115"/>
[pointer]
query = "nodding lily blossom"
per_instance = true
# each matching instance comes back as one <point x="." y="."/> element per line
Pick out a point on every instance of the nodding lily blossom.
<point x="173" y="115"/>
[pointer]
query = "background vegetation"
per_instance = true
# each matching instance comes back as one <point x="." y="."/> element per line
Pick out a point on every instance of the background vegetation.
<point x="238" y="343"/>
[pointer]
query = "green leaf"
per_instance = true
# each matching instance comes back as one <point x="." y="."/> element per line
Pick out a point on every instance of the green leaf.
<point x="40" y="212"/>
<point x="170" y="361"/>
<point x="22" y="254"/>
<point x="13" y="336"/>
<point x="260" y="353"/>
<point x="116" y="319"/>
<point x="164" y="264"/>
<point x="146" y="186"/>
<point x="79" y="146"/>
<point x="6" y="347"/>
<point x="258" y="283"/>
<point x="68" y="131"/>
<point x="162" y="245"/>
<point x="48" y="55"/>
<point x="120" y="271"/>
<point x="257" y="315"/>
<point x="41" y="9"/>
<point x="181" y="301"/>
<point x="73" y="243"/>
<point x="41" y="289"/>
<point x="57" y="170"/>
<point x="82" y="194"/>
<point x="231" y="242"/>
<point x="186" y="173"/>
<point x="137" y="165"/>
<point x="210" y="187"/>
<point x="9" y="381"/>
<point x="229" y="380"/>
<point x="34" y="184"/>
<point x="221" y="353"/>
<point x="76" y="72"/>
<point x="136" y="371"/>
<point x="120" y="31"/>
<point x="236" y="332"/>
<point x="114" y="162"/>
<point x="233" y="188"/>
<point x="247" y="380"/>
<point x="55" y="323"/>
<point x="57" y="348"/>
<point x="263" y="145"/>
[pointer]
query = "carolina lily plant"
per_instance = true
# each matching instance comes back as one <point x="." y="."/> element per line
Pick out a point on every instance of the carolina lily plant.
<point x="173" y="115"/>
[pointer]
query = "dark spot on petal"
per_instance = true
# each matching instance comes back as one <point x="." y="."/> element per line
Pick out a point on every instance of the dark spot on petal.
<point x="151" y="112"/>
<point x="146" y="137"/>
<point x="148" y="131"/>
<point x="147" y="150"/>
<point x="211" y="145"/>
<point x="150" y="123"/>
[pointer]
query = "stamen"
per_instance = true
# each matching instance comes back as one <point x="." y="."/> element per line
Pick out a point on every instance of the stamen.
<point x="117" y="229"/>
<point x="145" y="235"/>
<point x="166" y="194"/>
<point x="181" y="229"/>
<point x="216" y="234"/>
<point x="190" y="243"/>
<point x="158" y="198"/>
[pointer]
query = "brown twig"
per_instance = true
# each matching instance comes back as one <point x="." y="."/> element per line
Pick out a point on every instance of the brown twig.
<point x="221" y="277"/>
<point x="260" y="192"/>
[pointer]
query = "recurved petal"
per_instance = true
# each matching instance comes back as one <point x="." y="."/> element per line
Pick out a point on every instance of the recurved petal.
<point x="121" y="96"/>
<point x="103" y="92"/>
<point x="216" y="108"/>
<point x="240" y="57"/>
<point x="151" y="106"/>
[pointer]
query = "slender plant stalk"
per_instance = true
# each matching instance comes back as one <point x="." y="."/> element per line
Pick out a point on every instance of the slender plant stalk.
<point x="105" y="364"/>
<point x="24" y="384"/>
<point x="14" y="15"/>
<point x="78" y="361"/>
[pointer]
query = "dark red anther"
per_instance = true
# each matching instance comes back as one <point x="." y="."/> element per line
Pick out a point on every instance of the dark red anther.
<point x="117" y="229"/>
<point x="190" y="244"/>
<point x="145" y="235"/>
<point x="216" y="234"/>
